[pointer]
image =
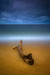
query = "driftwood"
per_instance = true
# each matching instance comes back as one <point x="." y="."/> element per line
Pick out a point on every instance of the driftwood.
<point x="27" y="58"/>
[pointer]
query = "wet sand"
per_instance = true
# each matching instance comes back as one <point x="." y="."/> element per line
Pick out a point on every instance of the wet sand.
<point x="12" y="64"/>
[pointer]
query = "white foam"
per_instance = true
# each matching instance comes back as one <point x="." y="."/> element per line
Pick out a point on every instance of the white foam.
<point x="25" y="38"/>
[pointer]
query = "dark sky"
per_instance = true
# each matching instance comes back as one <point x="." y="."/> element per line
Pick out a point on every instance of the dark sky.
<point x="24" y="11"/>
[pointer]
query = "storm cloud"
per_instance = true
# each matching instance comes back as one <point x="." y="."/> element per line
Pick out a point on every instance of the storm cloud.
<point x="25" y="11"/>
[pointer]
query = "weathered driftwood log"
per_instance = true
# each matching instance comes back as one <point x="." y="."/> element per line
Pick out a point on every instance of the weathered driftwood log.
<point x="27" y="58"/>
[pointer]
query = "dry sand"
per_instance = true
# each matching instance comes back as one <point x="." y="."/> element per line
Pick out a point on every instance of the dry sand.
<point x="12" y="64"/>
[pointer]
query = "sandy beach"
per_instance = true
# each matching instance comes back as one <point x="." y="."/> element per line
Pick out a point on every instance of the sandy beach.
<point x="12" y="64"/>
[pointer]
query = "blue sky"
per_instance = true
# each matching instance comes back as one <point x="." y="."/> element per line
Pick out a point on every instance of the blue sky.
<point x="24" y="11"/>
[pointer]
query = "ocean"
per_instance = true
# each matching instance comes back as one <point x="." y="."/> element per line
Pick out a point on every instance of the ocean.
<point x="25" y="32"/>
<point x="14" y="29"/>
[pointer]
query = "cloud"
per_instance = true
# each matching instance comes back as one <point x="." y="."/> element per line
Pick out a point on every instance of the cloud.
<point x="23" y="19"/>
<point x="24" y="11"/>
<point x="6" y="14"/>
